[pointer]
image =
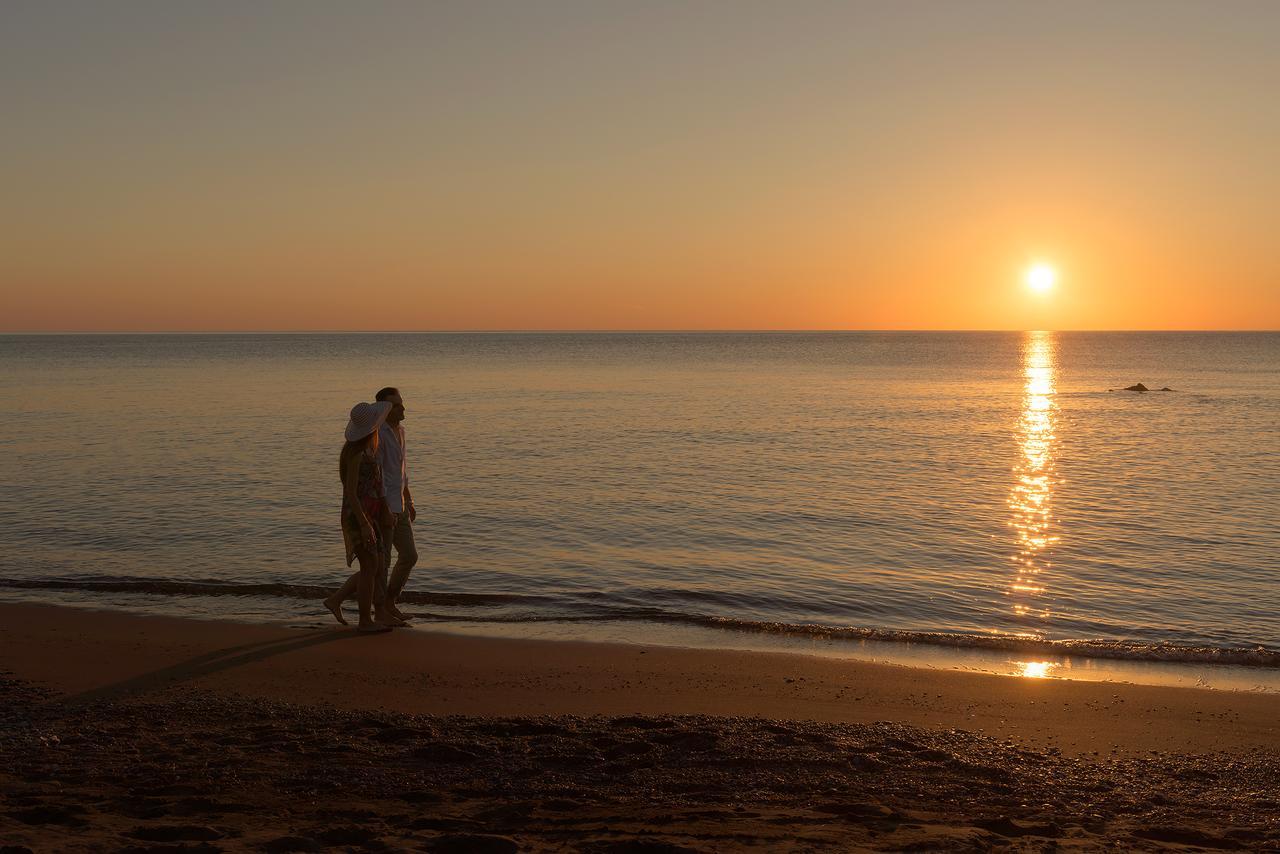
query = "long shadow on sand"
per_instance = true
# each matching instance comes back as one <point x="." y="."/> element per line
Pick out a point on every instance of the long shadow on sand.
<point x="203" y="665"/>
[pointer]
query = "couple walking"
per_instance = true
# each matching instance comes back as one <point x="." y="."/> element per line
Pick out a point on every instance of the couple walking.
<point x="377" y="512"/>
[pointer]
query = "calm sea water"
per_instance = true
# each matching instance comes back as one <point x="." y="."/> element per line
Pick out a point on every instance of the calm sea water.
<point x="969" y="489"/>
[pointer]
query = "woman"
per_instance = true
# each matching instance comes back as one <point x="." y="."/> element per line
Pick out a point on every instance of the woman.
<point x="364" y="511"/>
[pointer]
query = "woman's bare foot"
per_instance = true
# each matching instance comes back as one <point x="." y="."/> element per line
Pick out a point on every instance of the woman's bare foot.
<point x="335" y="608"/>
<point x="372" y="628"/>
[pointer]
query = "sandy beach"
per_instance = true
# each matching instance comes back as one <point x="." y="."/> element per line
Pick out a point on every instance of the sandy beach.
<point x="155" y="733"/>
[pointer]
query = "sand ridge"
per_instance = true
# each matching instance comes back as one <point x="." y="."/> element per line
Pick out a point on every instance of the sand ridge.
<point x="207" y="772"/>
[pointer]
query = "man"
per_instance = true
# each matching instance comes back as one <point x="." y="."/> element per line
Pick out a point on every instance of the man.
<point x="395" y="483"/>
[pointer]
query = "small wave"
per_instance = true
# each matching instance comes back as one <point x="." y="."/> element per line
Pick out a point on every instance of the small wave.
<point x="1253" y="656"/>
<point x="160" y="587"/>
<point x="1256" y="656"/>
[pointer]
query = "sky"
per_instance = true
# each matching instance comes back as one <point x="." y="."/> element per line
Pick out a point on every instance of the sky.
<point x="643" y="165"/>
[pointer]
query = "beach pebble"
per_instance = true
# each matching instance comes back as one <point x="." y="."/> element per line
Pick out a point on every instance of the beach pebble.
<point x="472" y="843"/>
<point x="287" y="844"/>
<point x="1008" y="827"/>
<point x="352" y="834"/>
<point x="640" y="846"/>
<point x="445" y="753"/>
<point x="69" y="815"/>
<point x="399" y="733"/>
<point x="176" y="833"/>
<point x="854" y="811"/>
<point x="631" y="748"/>
<point x="1185" y="836"/>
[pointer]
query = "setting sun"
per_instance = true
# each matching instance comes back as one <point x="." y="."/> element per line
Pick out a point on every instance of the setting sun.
<point x="1041" y="277"/>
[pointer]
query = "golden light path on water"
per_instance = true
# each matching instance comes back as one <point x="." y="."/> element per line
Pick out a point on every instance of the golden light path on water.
<point x="1031" y="497"/>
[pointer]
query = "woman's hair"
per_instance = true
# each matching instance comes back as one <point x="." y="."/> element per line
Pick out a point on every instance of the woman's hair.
<point x="350" y="449"/>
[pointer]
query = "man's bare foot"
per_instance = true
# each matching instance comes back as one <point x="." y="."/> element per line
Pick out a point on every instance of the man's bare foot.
<point x="388" y="619"/>
<point x="335" y="608"/>
<point x="372" y="628"/>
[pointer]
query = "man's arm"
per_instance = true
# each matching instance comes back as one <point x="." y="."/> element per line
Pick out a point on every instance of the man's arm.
<point x="406" y="495"/>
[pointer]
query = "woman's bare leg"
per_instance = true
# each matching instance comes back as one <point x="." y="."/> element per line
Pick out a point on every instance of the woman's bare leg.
<point x="342" y="594"/>
<point x="368" y="578"/>
<point x="381" y="613"/>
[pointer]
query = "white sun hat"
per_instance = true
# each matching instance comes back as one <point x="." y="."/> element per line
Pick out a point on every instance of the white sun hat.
<point x="365" y="418"/>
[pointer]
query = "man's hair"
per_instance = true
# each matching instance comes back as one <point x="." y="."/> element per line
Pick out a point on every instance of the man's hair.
<point x="383" y="394"/>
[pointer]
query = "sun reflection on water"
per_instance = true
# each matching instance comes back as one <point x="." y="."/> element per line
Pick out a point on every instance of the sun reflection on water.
<point x="1031" y="498"/>
<point x="1036" y="669"/>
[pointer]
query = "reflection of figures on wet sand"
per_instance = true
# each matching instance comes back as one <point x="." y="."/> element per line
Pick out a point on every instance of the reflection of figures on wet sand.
<point x="377" y="512"/>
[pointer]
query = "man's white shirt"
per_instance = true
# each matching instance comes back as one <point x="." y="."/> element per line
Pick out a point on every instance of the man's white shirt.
<point x="395" y="474"/>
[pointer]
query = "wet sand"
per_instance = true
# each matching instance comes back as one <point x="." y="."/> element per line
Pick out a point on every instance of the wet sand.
<point x="137" y="732"/>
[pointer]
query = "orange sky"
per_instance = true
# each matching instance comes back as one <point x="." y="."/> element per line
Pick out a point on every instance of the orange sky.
<point x="639" y="166"/>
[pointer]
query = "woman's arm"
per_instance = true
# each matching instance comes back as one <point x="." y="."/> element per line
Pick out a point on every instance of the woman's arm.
<point x="350" y="481"/>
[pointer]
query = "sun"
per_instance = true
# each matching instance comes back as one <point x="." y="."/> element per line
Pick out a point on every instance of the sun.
<point x="1041" y="277"/>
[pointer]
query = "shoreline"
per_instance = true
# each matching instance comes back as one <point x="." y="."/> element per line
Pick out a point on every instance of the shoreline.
<point x="1054" y="660"/>
<point x="92" y="655"/>
<point x="125" y="731"/>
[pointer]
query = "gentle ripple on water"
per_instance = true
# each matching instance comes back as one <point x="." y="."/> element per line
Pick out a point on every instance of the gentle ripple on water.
<point x="970" y="488"/>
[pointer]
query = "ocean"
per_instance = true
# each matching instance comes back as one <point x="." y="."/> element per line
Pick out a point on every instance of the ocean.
<point x="936" y="491"/>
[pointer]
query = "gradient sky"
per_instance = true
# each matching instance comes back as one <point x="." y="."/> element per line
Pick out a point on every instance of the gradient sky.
<point x="648" y="165"/>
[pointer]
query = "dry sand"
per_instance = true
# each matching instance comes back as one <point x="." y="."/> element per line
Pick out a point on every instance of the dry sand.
<point x="123" y="731"/>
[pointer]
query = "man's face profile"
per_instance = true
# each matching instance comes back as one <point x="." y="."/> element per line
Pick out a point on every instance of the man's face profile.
<point x="397" y="408"/>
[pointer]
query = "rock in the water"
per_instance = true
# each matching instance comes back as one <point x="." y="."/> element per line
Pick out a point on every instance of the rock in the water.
<point x="1166" y="388"/>
<point x="1138" y="387"/>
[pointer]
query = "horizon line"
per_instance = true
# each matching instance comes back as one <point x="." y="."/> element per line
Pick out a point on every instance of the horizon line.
<point x="570" y="331"/>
